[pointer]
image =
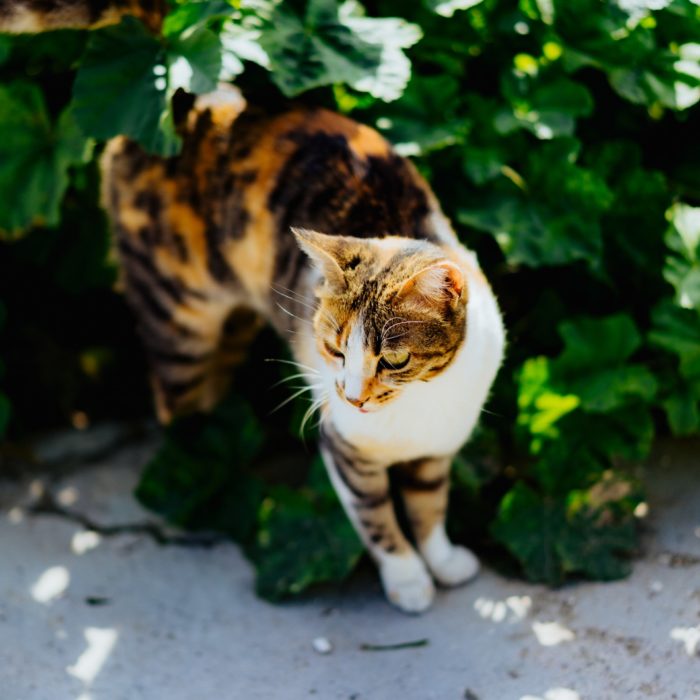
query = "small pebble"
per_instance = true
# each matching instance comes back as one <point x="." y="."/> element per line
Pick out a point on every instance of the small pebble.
<point x="656" y="587"/>
<point x="322" y="645"/>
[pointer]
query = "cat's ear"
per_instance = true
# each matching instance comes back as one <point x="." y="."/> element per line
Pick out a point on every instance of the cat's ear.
<point x="324" y="250"/>
<point x="436" y="287"/>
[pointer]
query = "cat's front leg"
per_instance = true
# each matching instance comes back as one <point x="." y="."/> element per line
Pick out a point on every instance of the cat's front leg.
<point x="425" y="486"/>
<point x="363" y="489"/>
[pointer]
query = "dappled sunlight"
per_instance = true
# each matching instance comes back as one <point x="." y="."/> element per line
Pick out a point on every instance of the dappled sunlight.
<point x="100" y="643"/>
<point x="512" y="609"/>
<point x="51" y="584"/>
<point x="15" y="515"/>
<point x="549" y="634"/>
<point x="690" y="636"/>
<point x="68" y="496"/>
<point x="84" y="540"/>
<point x="555" y="694"/>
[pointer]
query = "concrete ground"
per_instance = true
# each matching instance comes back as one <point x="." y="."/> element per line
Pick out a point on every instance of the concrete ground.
<point x="121" y="617"/>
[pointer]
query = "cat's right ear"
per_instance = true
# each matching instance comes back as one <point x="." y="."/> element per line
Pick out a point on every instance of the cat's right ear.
<point x="323" y="249"/>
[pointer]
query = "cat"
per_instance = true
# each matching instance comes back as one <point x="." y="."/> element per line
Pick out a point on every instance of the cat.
<point x="311" y="222"/>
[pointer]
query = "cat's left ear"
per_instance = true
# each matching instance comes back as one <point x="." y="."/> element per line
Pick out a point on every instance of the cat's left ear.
<point x="436" y="287"/>
<point x="324" y="250"/>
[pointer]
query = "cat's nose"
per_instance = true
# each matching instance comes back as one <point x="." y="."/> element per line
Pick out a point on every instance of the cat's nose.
<point x="355" y="402"/>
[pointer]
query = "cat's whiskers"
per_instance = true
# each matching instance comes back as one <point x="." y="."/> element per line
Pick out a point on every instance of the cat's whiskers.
<point x="289" y="313"/>
<point x="300" y="375"/>
<point x="387" y="322"/>
<point x="315" y="405"/>
<point x="297" y="393"/>
<point x="298" y="365"/>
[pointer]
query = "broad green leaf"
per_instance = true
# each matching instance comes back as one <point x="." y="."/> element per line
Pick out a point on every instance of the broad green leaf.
<point x="127" y="77"/>
<point x="200" y="477"/>
<point x="683" y="411"/>
<point x="304" y="538"/>
<point x="682" y="268"/>
<point x="193" y="15"/>
<point x="594" y="343"/>
<point x="34" y="163"/>
<point x="548" y="108"/>
<point x="678" y="330"/>
<point x="333" y="43"/>
<point x="594" y="363"/>
<point x="552" y="214"/>
<point x="426" y="118"/>
<point x="122" y="88"/>
<point x="194" y="61"/>
<point x="588" y="532"/>
<point x="483" y="164"/>
<point x="601" y="532"/>
<point x="529" y="525"/>
<point x="539" y="407"/>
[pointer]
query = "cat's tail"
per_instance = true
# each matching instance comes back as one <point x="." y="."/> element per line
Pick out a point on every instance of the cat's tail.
<point x="34" y="16"/>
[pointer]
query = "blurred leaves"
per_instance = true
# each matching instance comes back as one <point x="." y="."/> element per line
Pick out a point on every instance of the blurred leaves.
<point x="304" y="537"/>
<point x="331" y="43"/>
<point x="682" y="267"/>
<point x="34" y="161"/>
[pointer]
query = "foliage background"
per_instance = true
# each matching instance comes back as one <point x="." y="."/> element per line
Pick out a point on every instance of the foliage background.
<point x="561" y="137"/>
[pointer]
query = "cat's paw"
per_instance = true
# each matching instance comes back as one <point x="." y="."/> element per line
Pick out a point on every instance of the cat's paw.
<point x="458" y="567"/>
<point x="407" y="583"/>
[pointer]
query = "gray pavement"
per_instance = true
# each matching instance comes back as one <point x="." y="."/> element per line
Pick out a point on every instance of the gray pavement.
<point x="121" y="617"/>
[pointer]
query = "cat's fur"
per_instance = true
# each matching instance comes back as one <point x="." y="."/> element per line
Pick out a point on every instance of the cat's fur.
<point x="389" y="317"/>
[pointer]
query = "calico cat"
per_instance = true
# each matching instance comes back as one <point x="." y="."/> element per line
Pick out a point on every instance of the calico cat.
<point x="311" y="222"/>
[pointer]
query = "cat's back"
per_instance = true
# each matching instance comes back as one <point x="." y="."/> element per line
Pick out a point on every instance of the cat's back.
<point x="221" y="211"/>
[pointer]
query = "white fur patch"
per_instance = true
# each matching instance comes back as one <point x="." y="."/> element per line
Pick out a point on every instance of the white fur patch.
<point x="354" y="368"/>
<point x="430" y="418"/>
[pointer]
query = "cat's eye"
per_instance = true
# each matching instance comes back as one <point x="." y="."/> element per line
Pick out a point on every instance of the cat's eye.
<point x="334" y="351"/>
<point x="394" y="359"/>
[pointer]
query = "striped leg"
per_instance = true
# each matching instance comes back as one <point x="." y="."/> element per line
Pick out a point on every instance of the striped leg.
<point x="425" y="485"/>
<point x="363" y="489"/>
<point x="191" y="340"/>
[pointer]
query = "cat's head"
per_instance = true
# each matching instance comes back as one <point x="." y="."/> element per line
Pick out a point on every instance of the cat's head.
<point x="391" y="311"/>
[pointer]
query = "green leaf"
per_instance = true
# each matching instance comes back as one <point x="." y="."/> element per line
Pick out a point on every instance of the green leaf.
<point x="540" y="407"/>
<point x="546" y="107"/>
<point x="550" y="215"/>
<point x="528" y="525"/>
<point x="601" y="532"/>
<point x="200" y="477"/>
<point x="682" y="268"/>
<point x="332" y="43"/>
<point x="193" y="15"/>
<point x="34" y="163"/>
<point x="589" y="532"/>
<point x="121" y="88"/>
<point x="426" y="119"/>
<point x="194" y="61"/>
<point x="482" y="164"/>
<point x="304" y="538"/>
<point x="594" y="363"/>
<point x="683" y="411"/>
<point x="127" y="78"/>
<point x="677" y="330"/>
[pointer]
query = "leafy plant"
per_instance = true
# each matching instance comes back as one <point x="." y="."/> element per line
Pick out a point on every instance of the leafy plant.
<point x="559" y="136"/>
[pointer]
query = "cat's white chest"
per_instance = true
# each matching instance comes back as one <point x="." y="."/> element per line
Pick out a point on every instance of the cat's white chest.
<point x="436" y="417"/>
